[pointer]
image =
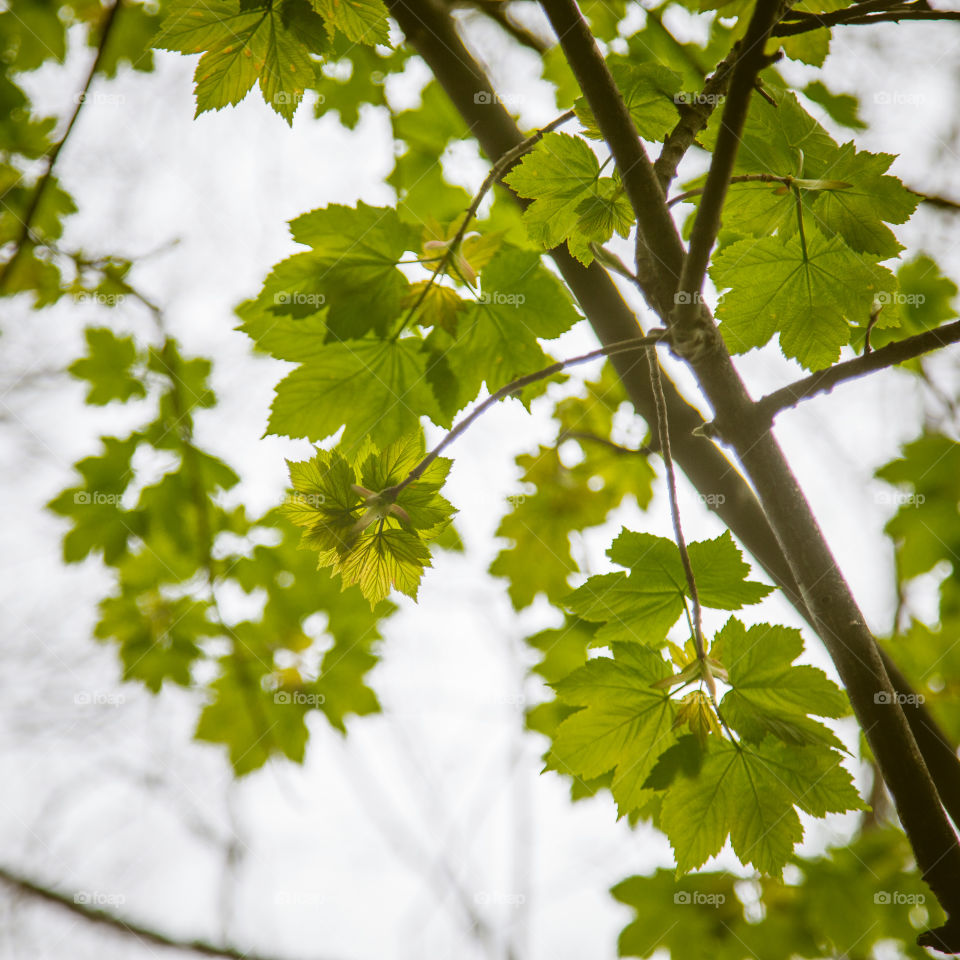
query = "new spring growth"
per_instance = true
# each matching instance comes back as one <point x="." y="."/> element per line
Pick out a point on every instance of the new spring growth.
<point x="377" y="507"/>
<point x="460" y="262"/>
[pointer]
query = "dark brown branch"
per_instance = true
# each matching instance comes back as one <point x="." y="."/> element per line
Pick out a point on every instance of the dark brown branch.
<point x="693" y="119"/>
<point x="853" y="17"/>
<point x="110" y="920"/>
<point x="515" y="386"/>
<point x="825" y="380"/>
<point x="26" y="223"/>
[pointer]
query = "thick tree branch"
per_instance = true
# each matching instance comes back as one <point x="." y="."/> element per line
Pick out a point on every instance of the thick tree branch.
<point x="112" y="921"/>
<point x="693" y="118"/>
<point x="26" y="222"/>
<point x="824" y="380"/>
<point x="836" y="617"/>
<point x="430" y="30"/>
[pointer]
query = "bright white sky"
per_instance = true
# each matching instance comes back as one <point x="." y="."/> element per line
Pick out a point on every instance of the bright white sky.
<point x="349" y="856"/>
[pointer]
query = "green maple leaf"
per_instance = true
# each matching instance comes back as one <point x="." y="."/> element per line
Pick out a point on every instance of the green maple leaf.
<point x="158" y="636"/>
<point x="378" y="388"/>
<point x="809" y="295"/>
<point x="107" y="367"/>
<point x="769" y="693"/>
<point x="496" y="340"/>
<point x="251" y="721"/>
<point x="361" y="21"/>
<point x="377" y="542"/>
<point x="857" y="214"/>
<point x="648" y="90"/>
<point x="350" y="274"/>
<point x="926" y="527"/>
<point x="642" y="606"/>
<point x="570" y="200"/>
<point x="624" y="724"/>
<point x="749" y="793"/>
<point x="99" y="521"/>
<point x="844" y="108"/>
<point x="241" y="45"/>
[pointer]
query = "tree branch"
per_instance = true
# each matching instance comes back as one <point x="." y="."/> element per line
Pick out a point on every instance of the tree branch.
<point x="104" y="918"/>
<point x="825" y="380"/>
<point x="430" y="30"/>
<point x="688" y="323"/>
<point x="836" y="617"/>
<point x="26" y="223"/>
<point x="853" y="17"/>
<point x="693" y="119"/>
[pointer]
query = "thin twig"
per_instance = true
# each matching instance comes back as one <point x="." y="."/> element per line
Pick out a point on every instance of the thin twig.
<point x="583" y="435"/>
<point x="934" y="200"/>
<point x="824" y="380"/>
<point x="652" y="339"/>
<point x="496" y="172"/>
<point x="53" y="153"/>
<point x="663" y="431"/>
<point x="120" y="924"/>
